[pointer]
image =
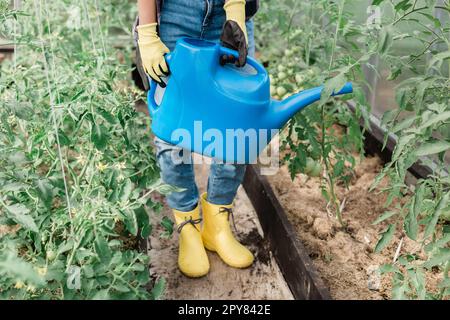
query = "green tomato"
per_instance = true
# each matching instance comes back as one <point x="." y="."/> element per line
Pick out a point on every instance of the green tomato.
<point x="282" y="75"/>
<point x="317" y="170"/>
<point x="288" y="53"/>
<point x="299" y="78"/>
<point x="281" y="91"/>
<point x="310" y="165"/>
<point x="51" y="255"/>
<point x="281" y="68"/>
<point x="273" y="90"/>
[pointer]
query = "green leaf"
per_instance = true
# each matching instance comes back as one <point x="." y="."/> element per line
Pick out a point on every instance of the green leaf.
<point x="386" y="238"/>
<point x="377" y="2"/>
<point x="15" y="268"/>
<point x="334" y="84"/>
<point x="99" y="136"/>
<point x="20" y="214"/>
<point x="384" y="216"/>
<point x="410" y="224"/>
<point x="442" y="256"/>
<point x="23" y="111"/>
<point x="131" y="221"/>
<point x="399" y="287"/>
<point x="167" y="224"/>
<point x="121" y="287"/>
<point x="63" y="138"/>
<point x="431" y="226"/>
<point x="65" y="246"/>
<point x="107" y="116"/>
<point x="125" y="191"/>
<point x="436" y="118"/>
<point x="158" y="288"/>
<point x="387" y="268"/>
<point x="101" y="295"/>
<point x="406" y="123"/>
<point x="338" y="168"/>
<point x="417" y="278"/>
<point x="435" y="146"/>
<point x="436" y="21"/>
<point x="418" y="199"/>
<point x="439" y="58"/>
<point x="440" y="243"/>
<point x="143" y="219"/>
<point x="403" y="5"/>
<point x="403" y="141"/>
<point x="102" y="249"/>
<point x="44" y="191"/>
<point x="167" y="189"/>
<point x="385" y="39"/>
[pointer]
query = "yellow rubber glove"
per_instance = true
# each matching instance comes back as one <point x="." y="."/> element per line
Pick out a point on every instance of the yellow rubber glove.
<point x="235" y="11"/>
<point x="152" y="51"/>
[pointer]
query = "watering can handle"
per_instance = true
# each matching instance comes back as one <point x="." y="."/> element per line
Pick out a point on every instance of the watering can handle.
<point x="259" y="69"/>
<point x="152" y="105"/>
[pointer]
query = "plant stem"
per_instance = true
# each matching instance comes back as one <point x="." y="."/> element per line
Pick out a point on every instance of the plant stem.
<point x="326" y="159"/>
<point x="328" y="170"/>
<point x="336" y="33"/>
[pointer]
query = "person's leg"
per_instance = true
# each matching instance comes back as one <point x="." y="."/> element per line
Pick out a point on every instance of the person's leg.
<point x="223" y="182"/>
<point x="224" y="179"/>
<point x="178" y="18"/>
<point x="178" y="174"/>
<point x="182" y="18"/>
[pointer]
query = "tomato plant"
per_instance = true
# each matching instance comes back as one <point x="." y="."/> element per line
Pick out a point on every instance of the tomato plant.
<point x="420" y="121"/>
<point x="76" y="164"/>
<point x="306" y="43"/>
<point x="309" y="50"/>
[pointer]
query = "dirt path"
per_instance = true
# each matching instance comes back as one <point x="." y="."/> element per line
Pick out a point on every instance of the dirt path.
<point x="263" y="280"/>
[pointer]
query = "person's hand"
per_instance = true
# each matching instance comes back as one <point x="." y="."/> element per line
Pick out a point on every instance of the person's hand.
<point x="152" y="51"/>
<point x="234" y="33"/>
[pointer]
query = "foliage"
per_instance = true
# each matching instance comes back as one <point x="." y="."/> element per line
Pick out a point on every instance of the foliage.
<point x="314" y="42"/>
<point x="76" y="165"/>
<point x="421" y="122"/>
<point x="308" y="50"/>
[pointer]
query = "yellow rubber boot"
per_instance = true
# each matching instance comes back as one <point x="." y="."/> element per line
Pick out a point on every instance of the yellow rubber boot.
<point x="192" y="259"/>
<point x="217" y="235"/>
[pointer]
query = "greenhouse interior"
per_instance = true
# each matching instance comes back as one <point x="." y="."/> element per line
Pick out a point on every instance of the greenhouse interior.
<point x="225" y="150"/>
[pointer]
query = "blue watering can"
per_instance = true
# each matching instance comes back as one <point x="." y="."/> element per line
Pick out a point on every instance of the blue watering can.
<point x="220" y="111"/>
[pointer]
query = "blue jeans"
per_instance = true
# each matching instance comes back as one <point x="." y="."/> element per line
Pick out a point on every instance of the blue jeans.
<point x="197" y="19"/>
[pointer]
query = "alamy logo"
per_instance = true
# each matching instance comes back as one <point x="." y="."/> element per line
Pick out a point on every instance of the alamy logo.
<point x="238" y="146"/>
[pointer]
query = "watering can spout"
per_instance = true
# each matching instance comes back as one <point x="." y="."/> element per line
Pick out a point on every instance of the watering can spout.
<point x="287" y="108"/>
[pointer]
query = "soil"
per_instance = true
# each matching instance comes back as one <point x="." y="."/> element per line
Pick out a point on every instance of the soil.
<point x="345" y="258"/>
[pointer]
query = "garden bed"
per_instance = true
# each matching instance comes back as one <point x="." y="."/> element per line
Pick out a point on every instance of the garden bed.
<point x="344" y="257"/>
<point x="336" y="262"/>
